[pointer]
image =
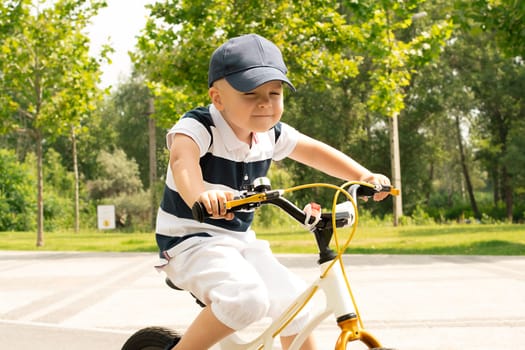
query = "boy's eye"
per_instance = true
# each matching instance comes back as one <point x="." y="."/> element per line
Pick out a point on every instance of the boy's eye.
<point x="253" y="93"/>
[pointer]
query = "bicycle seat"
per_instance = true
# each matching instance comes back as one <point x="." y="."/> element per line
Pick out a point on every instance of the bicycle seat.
<point x="173" y="286"/>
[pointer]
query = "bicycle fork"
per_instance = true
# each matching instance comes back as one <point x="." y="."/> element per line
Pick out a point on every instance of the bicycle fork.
<point x="337" y="292"/>
<point x="351" y="331"/>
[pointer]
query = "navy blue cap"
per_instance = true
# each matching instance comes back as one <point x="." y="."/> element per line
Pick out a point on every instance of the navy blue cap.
<point x="247" y="62"/>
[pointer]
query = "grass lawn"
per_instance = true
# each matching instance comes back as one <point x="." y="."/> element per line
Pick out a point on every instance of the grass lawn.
<point x="439" y="240"/>
<point x="499" y="239"/>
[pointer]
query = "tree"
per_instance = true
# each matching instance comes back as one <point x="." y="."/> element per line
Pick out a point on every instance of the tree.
<point x="502" y="108"/>
<point x="48" y="79"/>
<point x="133" y="113"/>
<point x="474" y="84"/>
<point x="325" y="43"/>
<point x="495" y="82"/>
<point x="505" y="19"/>
<point x="129" y="110"/>
<point x="443" y="96"/>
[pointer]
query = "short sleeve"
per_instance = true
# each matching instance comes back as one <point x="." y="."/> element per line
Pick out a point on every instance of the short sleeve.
<point x="194" y="129"/>
<point x="286" y="138"/>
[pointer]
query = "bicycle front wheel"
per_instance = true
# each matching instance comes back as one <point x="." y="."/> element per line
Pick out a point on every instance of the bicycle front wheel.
<point x="152" y="338"/>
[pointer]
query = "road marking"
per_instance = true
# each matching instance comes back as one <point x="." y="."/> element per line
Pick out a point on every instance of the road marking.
<point x="78" y="296"/>
<point x="64" y="327"/>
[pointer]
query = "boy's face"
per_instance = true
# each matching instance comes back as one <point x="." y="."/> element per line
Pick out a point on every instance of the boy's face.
<point x="247" y="112"/>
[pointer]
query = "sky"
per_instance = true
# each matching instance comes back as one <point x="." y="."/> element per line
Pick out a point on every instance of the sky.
<point x="118" y="24"/>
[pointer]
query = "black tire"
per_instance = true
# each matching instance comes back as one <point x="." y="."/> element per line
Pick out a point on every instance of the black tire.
<point x="152" y="338"/>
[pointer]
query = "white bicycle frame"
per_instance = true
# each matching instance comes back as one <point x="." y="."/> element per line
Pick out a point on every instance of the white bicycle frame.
<point x="338" y="302"/>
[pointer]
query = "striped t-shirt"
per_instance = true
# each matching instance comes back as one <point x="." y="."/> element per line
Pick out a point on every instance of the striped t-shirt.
<point x="227" y="164"/>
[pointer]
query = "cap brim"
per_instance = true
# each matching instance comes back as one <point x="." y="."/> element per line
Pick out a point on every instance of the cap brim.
<point x="250" y="79"/>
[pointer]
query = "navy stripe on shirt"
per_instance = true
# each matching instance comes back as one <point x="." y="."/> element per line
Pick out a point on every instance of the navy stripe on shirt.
<point x="236" y="175"/>
<point x="173" y="204"/>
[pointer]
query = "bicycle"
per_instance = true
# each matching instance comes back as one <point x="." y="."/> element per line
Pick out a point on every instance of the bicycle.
<point x="332" y="280"/>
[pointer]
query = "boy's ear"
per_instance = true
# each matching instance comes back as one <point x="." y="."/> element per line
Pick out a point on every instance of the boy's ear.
<point x="215" y="97"/>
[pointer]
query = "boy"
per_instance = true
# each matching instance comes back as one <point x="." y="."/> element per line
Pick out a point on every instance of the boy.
<point x="214" y="152"/>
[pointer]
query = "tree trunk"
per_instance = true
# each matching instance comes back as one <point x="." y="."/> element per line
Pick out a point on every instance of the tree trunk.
<point x="507" y="192"/>
<point x="396" y="168"/>
<point x="430" y="181"/>
<point x="152" y="162"/>
<point x="75" y="171"/>
<point x="40" y="191"/>
<point x="466" y="174"/>
<point x="496" y="185"/>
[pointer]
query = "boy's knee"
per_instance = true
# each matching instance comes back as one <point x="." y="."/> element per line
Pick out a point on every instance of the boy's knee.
<point x="247" y="304"/>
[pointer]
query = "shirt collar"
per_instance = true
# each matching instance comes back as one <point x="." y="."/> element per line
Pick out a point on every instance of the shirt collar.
<point x="228" y="136"/>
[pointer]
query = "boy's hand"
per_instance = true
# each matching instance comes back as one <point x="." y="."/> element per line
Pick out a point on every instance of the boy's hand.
<point x="215" y="203"/>
<point x="377" y="179"/>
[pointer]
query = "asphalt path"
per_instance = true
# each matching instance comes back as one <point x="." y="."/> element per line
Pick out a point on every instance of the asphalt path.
<point x="69" y="300"/>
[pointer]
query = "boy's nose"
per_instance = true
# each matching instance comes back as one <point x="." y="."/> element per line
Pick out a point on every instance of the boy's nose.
<point x="265" y="102"/>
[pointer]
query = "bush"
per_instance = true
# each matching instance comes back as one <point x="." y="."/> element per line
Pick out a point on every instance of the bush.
<point x="117" y="176"/>
<point x="132" y="211"/>
<point x="270" y="216"/>
<point x="421" y="217"/>
<point x="366" y="218"/>
<point x="59" y="184"/>
<point x="17" y="194"/>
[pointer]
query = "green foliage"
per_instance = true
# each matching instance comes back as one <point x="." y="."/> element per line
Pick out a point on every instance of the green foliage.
<point x="269" y="216"/>
<point x="339" y="118"/>
<point x="17" y="195"/>
<point x="57" y="176"/>
<point x="504" y="18"/>
<point x="351" y="62"/>
<point x="117" y="175"/>
<point x="58" y="211"/>
<point x="48" y="79"/>
<point x="58" y="193"/>
<point x="476" y="84"/>
<point x="118" y="183"/>
<point x="500" y="109"/>
<point x="323" y="42"/>
<point x="394" y="55"/>
<point x="420" y="217"/>
<point x="128" y="113"/>
<point x="354" y="62"/>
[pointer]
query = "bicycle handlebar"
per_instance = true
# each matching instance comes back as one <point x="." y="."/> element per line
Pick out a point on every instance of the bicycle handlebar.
<point x="247" y="200"/>
<point x="252" y="199"/>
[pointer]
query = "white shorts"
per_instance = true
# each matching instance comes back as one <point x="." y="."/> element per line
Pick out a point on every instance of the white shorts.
<point x="242" y="282"/>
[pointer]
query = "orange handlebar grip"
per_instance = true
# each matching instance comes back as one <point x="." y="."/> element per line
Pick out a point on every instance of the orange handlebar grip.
<point x="394" y="191"/>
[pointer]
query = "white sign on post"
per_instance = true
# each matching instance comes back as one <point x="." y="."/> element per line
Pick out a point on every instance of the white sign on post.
<point x="106" y="217"/>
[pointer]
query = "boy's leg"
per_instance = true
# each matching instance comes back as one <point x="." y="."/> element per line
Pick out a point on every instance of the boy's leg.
<point x="283" y="288"/>
<point x="309" y="343"/>
<point x="205" y="331"/>
<point x="219" y="276"/>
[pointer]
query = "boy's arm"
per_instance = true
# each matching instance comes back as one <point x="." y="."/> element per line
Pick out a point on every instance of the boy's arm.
<point x="187" y="174"/>
<point x="331" y="161"/>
